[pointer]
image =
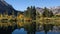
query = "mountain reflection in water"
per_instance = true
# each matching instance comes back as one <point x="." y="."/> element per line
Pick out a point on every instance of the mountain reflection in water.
<point x="19" y="31"/>
<point x="22" y="31"/>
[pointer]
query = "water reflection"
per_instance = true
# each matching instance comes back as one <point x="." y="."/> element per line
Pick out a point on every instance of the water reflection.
<point x="31" y="28"/>
<point x="19" y="31"/>
<point x="22" y="31"/>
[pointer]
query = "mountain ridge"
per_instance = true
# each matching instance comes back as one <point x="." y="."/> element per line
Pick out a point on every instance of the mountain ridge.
<point x="5" y="7"/>
<point x="55" y="10"/>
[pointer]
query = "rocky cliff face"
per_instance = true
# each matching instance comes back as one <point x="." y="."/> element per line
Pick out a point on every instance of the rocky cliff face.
<point x="5" y="7"/>
<point x="55" y="10"/>
<point x="39" y="10"/>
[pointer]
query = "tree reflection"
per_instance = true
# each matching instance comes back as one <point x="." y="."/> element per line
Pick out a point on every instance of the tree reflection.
<point x="47" y="27"/>
<point x="31" y="29"/>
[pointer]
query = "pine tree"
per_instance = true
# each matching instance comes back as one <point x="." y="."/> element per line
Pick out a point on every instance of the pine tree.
<point x="46" y="12"/>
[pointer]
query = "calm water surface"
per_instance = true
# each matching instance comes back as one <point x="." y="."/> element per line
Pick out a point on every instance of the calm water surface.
<point x="21" y="31"/>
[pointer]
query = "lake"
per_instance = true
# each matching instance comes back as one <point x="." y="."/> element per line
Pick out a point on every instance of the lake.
<point x="22" y="31"/>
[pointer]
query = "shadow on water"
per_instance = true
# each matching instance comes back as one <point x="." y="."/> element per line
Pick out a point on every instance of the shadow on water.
<point x="30" y="29"/>
<point x="9" y="30"/>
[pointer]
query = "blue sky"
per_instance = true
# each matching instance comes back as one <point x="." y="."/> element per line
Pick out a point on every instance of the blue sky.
<point x="23" y="4"/>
